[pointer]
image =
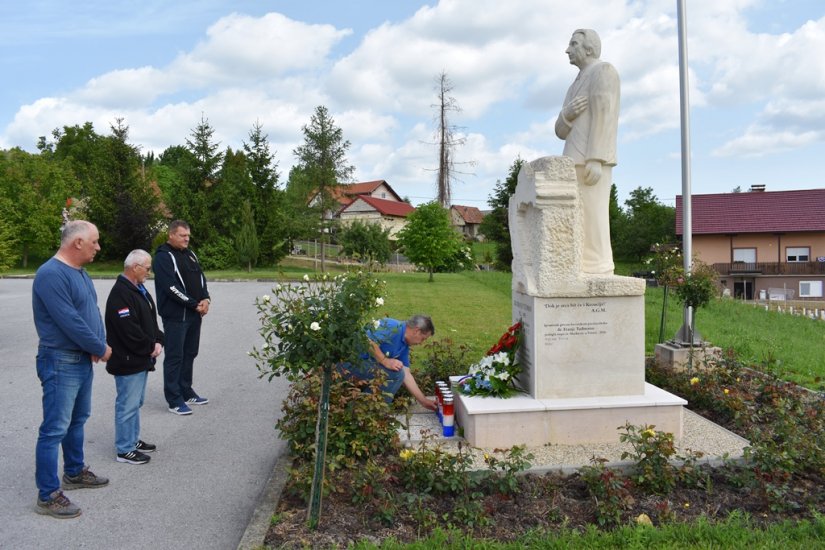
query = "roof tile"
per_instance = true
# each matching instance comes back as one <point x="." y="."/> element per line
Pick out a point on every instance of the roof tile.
<point x="755" y="212"/>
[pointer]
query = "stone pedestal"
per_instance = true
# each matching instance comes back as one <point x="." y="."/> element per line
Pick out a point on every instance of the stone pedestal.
<point x="680" y="358"/>
<point x="583" y="347"/>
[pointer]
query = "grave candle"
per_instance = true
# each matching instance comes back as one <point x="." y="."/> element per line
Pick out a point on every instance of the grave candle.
<point x="448" y="419"/>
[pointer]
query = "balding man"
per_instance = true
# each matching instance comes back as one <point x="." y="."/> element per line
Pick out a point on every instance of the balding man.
<point x="71" y="338"/>
<point x="588" y="122"/>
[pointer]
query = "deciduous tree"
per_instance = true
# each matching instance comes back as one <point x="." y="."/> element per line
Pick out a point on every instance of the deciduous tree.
<point x="428" y="239"/>
<point x="368" y="241"/>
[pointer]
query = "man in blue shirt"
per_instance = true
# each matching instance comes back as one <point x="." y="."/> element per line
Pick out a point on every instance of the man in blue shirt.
<point x="71" y="338"/>
<point x="389" y="351"/>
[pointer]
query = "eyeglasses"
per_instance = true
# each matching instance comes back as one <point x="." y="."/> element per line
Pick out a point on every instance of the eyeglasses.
<point x="146" y="267"/>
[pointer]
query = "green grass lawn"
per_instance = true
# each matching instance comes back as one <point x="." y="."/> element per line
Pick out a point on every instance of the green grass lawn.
<point x="473" y="308"/>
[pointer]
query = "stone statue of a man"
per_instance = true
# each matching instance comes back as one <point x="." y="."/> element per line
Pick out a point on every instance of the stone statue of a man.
<point x="588" y="123"/>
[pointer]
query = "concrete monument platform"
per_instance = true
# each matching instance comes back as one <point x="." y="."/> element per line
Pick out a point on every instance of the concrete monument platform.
<point x="524" y="420"/>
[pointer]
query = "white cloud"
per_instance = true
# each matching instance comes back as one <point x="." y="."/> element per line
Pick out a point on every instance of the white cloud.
<point x="507" y="64"/>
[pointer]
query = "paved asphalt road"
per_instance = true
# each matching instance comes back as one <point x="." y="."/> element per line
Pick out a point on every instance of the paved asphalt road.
<point x="203" y="483"/>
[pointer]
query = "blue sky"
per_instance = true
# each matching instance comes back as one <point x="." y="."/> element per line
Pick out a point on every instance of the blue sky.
<point x="757" y="75"/>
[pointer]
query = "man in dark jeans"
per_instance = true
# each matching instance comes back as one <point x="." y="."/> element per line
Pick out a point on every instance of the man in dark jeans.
<point x="71" y="338"/>
<point x="183" y="300"/>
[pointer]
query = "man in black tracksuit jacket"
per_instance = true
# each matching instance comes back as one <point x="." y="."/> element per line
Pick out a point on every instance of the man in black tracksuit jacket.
<point x="136" y="340"/>
<point x="183" y="299"/>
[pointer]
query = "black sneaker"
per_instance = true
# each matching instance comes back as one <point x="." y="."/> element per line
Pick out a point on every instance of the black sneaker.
<point x="144" y="447"/>
<point x="133" y="457"/>
<point x="58" y="506"/>
<point x="86" y="479"/>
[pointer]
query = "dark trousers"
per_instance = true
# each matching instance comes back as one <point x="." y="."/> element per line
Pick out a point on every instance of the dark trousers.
<point x="182" y="340"/>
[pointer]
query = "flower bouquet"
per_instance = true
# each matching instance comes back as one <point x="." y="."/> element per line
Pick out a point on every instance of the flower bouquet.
<point x="495" y="375"/>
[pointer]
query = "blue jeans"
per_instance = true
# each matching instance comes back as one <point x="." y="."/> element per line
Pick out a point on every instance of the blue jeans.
<point x="368" y="370"/>
<point x="66" y="378"/>
<point x="131" y="390"/>
<point x="181" y="340"/>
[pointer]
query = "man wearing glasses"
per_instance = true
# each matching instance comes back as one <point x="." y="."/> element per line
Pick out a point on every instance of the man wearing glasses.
<point x="136" y="340"/>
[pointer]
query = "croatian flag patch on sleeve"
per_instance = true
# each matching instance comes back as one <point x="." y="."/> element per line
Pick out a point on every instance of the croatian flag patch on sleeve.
<point x="123" y="312"/>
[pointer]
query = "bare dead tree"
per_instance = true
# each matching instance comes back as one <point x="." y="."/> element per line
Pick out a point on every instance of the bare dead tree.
<point x="446" y="138"/>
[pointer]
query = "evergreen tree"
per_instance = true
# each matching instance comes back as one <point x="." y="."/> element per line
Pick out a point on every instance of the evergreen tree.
<point x="246" y="241"/>
<point x="269" y="201"/>
<point x="323" y="161"/>
<point x="200" y="175"/>
<point x="496" y="225"/>
<point x="134" y="203"/>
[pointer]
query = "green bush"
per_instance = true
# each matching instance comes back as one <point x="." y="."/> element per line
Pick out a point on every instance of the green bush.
<point x="611" y="491"/>
<point x="217" y="254"/>
<point x="444" y="358"/>
<point x="360" y="423"/>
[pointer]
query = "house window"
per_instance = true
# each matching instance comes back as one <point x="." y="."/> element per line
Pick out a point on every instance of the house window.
<point x="810" y="289"/>
<point x="383" y="195"/>
<point x="747" y="255"/>
<point x="798" y="254"/>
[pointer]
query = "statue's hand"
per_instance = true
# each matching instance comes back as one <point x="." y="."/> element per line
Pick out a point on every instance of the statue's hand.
<point x="573" y="109"/>
<point x="592" y="172"/>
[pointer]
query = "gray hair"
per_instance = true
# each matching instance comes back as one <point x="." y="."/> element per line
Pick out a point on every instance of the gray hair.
<point x="422" y="323"/>
<point x="75" y="229"/>
<point x="135" y="257"/>
<point x="590" y="41"/>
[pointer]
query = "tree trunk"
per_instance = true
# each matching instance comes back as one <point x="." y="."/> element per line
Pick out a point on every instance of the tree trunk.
<point x="663" y="322"/>
<point x="314" y="514"/>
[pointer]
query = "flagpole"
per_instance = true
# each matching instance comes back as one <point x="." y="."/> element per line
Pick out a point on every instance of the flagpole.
<point x="685" y="333"/>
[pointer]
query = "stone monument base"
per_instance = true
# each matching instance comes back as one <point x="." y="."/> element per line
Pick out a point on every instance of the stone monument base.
<point x="491" y="422"/>
<point x="678" y="358"/>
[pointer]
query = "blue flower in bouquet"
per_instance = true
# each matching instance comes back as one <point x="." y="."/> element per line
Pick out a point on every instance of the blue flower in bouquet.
<point x="495" y="375"/>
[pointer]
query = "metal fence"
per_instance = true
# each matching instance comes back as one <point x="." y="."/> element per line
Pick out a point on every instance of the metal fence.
<point x="332" y="252"/>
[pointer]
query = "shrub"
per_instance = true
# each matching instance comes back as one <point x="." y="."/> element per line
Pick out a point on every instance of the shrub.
<point x="360" y="423"/>
<point x="217" y="254"/>
<point x="611" y="492"/>
<point x="444" y="358"/>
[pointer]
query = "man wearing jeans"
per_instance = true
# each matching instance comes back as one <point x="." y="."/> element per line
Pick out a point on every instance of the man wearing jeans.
<point x="71" y="338"/>
<point x="183" y="300"/>
<point x="389" y="352"/>
<point x="132" y="331"/>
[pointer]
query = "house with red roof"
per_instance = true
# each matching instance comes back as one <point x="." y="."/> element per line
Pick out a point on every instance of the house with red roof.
<point x="763" y="244"/>
<point x="466" y="219"/>
<point x="389" y="214"/>
<point x="345" y="193"/>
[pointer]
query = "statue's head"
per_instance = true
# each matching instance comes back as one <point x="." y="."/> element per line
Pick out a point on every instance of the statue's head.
<point x="589" y="41"/>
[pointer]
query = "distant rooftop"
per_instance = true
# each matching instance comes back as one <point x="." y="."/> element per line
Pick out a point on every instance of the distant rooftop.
<point x="756" y="212"/>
